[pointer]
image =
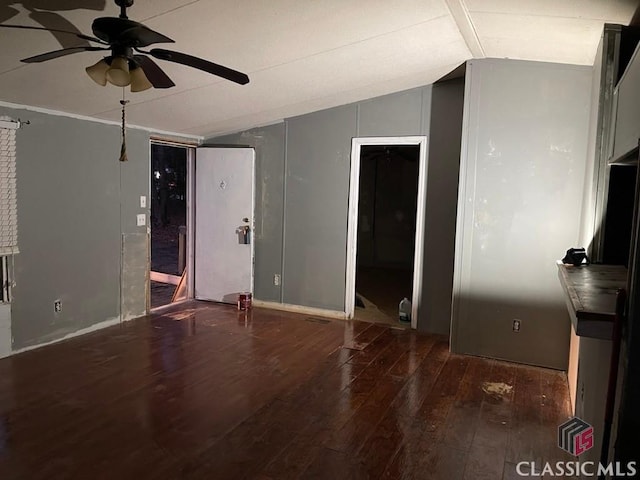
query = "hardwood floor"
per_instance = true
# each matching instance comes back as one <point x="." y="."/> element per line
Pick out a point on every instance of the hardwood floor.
<point x="206" y="392"/>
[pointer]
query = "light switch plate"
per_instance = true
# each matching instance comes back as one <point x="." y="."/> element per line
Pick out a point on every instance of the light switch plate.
<point x="142" y="219"/>
<point x="143" y="201"/>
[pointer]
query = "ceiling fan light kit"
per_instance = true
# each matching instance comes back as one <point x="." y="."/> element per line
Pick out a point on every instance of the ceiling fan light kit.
<point x="118" y="73"/>
<point x="98" y="72"/>
<point x="127" y="64"/>
<point x="139" y="81"/>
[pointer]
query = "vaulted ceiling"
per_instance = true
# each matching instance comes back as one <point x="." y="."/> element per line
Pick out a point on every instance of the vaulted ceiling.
<point x="301" y="55"/>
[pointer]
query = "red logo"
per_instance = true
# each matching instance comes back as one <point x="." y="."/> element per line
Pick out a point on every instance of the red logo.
<point x="575" y="436"/>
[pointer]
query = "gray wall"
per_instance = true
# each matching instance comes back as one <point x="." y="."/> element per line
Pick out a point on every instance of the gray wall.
<point x="316" y="200"/>
<point x="399" y="114"/>
<point x="135" y="180"/>
<point x="521" y="185"/>
<point x="315" y="167"/>
<point x="269" y="144"/>
<point x="76" y="215"/>
<point x="317" y="186"/>
<point x="5" y="330"/>
<point x="445" y="134"/>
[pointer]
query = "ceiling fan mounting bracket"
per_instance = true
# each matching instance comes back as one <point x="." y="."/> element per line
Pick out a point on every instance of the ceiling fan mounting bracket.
<point x="122" y="51"/>
<point x="123" y="4"/>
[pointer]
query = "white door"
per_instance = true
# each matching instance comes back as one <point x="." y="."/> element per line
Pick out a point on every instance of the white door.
<point x="224" y="223"/>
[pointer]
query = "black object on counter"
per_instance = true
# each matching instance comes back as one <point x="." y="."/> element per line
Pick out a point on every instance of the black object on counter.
<point x="576" y="256"/>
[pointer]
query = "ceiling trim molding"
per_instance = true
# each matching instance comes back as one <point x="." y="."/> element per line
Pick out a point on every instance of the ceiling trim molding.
<point x="196" y="138"/>
<point x="461" y="16"/>
<point x="171" y="142"/>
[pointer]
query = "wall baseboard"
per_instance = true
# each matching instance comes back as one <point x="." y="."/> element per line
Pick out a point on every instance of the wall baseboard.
<point x="320" y="312"/>
<point x="286" y="307"/>
<point x="98" y="326"/>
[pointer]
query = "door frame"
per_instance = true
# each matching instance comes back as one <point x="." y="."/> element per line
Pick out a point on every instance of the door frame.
<point x="352" y="220"/>
<point x="190" y="149"/>
<point x="191" y="222"/>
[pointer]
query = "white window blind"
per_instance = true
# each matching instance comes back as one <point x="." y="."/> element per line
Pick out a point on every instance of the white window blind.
<point x="8" y="204"/>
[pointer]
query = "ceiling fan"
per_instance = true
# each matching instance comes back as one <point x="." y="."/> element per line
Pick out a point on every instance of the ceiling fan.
<point x="127" y="64"/>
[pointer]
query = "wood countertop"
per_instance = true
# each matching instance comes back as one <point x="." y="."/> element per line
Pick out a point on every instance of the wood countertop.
<point x="591" y="296"/>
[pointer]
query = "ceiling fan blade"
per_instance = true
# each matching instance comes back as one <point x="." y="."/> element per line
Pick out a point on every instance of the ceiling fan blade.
<point x="60" y="53"/>
<point x="141" y="36"/>
<point x="55" y="30"/>
<point x="125" y="32"/>
<point x="154" y="73"/>
<point x="200" y="64"/>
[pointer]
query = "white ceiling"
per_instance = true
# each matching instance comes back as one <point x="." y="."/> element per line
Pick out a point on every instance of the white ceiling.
<point x="301" y="55"/>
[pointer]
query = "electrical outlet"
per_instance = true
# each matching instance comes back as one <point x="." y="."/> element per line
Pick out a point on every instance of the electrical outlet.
<point x="516" y="325"/>
<point x="141" y="219"/>
<point x="276" y="279"/>
<point x="57" y="306"/>
<point x="143" y="201"/>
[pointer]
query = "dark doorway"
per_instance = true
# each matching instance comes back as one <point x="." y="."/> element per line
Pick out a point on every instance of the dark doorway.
<point x="168" y="221"/>
<point x="620" y="202"/>
<point x="387" y="210"/>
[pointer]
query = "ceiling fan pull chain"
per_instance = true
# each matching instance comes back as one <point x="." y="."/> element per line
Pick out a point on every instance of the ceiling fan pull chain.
<point x="123" y="148"/>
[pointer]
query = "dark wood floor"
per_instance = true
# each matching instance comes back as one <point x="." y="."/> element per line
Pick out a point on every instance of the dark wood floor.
<point x="208" y="392"/>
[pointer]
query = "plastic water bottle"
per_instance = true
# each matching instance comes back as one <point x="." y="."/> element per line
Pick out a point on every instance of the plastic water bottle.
<point x="404" y="310"/>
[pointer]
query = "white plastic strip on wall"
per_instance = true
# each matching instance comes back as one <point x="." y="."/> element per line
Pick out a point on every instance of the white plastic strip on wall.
<point x="8" y="204"/>
<point x="9" y="124"/>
